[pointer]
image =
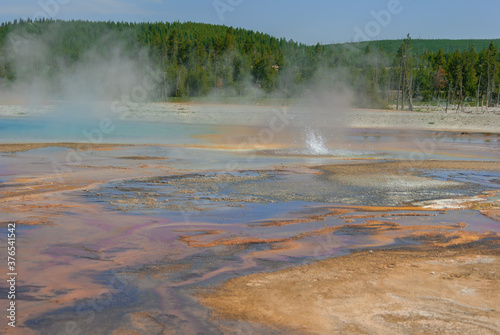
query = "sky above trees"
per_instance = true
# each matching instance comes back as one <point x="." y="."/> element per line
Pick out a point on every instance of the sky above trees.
<point x="309" y="22"/>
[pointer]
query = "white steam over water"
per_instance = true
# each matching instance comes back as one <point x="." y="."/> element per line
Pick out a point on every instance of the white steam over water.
<point x="322" y="118"/>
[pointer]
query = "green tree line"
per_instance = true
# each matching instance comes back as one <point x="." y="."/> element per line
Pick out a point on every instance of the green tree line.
<point x="197" y="59"/>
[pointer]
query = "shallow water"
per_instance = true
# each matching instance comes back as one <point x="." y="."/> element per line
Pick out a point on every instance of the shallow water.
<point x="125" y="238"/>
<point x="25" y="130"/>
<point x="223" y="190"/>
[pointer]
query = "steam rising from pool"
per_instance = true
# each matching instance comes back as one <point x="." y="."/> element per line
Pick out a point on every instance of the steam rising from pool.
<point x="322" y="118"/>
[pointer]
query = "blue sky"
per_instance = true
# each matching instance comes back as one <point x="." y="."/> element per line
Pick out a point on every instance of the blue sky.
<point x="324" y="21"/>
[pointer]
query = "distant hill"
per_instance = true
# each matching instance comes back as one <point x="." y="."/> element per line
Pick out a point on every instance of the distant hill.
<point x="422" y="45"/>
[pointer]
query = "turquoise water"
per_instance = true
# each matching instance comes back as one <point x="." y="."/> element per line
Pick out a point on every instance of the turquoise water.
<point x="22" y="130"/>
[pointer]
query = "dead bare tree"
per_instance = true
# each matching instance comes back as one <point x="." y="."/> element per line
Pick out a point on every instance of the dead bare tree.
<point x="477" y="97"/>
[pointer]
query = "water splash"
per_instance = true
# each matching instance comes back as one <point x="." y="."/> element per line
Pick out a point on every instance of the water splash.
<point x="316" y="143"/>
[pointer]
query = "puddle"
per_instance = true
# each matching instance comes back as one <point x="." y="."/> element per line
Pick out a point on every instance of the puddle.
<point x="486" y="179"/>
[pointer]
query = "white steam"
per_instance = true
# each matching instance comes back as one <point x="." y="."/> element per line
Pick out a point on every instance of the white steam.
<point x="81" y="89"/>
<point x="322" y="114"/>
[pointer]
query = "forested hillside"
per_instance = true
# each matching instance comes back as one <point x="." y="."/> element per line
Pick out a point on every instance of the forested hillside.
<point x="423" y="45"/>
<point x="197" y="59"/>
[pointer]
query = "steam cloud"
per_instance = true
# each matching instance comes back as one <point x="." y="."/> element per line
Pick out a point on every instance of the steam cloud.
<point x="83" y="89"/>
